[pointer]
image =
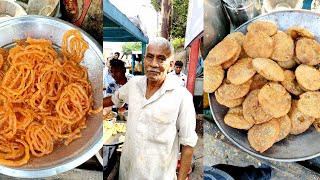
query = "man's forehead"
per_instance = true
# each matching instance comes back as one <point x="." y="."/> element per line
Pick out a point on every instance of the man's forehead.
<point x="159" y="49"/>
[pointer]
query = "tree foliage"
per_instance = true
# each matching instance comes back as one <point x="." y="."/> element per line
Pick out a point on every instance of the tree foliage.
<point x="128" y="47"/>
<point x="156" y="5"/>
<point x="177" y="43"/>
<point x="179" y="18"/>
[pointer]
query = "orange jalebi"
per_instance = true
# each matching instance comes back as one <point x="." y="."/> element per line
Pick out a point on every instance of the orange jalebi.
<point x="44" y="97"/>
<point x="73" y="47"/>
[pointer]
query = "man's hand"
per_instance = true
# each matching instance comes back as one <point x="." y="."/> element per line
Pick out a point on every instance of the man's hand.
<point x="107" y="110"/>
<point x="185" y="162"/>
<point x="107" y="101"/>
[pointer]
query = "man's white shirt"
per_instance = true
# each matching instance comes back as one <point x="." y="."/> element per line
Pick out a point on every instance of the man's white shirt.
<point x="155" y="128"/>
<point x="182" y="77"/>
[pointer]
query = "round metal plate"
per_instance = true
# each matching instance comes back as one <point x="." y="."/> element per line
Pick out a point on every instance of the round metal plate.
<point x="293" y="148"/>
<point x="63" y="158"/>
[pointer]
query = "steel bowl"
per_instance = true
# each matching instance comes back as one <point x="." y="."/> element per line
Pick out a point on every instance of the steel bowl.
<point x="293" y="148"/>
<point x="114" y="116"/>
<point x="63" y="158"/>
<point x="9" y="8"/>
<point x="125" y="115"/>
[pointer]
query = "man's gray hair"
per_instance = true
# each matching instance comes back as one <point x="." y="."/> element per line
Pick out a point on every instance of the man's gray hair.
<point x="160" y="41"/>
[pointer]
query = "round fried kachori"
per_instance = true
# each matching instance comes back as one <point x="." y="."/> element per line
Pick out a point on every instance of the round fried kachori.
<point x="285" y="126"/>
<point x="238" y="37"/>
<point x="231" y="91"/>
<point x="269" y="27"/>
<point x="308" y="77"/>
<point x="309" y="102"/>
<point x="295" y="31"/>
<point x="228" y="102"/>
<point x="213" y="77"/>
<point x="252" y="110"/>
<point x="299" y="121"/>
<point x="308" y="51"/>
<point x="229" y="63"/>
<point x="283" y="47"/>
<point x="234" y="118"/>
<point x="291" y="84"/>
<point x="258" y="45"/>
<point x="223" y="52"/>
<point x="274" y="99"/>
<point x="268" y="69"/>
<point x="241" y="71"/>
<point x="262" y="136"/>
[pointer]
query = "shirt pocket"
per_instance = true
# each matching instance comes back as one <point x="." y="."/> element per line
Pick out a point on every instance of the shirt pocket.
<point x="160" y="138"/>
<point x="164" y="113"/>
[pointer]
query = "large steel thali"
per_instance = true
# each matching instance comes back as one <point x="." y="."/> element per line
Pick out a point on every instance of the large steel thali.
<point x="63" y="158"/>
<point x="294" y="148"/>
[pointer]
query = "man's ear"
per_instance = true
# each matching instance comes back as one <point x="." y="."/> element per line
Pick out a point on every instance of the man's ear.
<point x="171" y="63"/>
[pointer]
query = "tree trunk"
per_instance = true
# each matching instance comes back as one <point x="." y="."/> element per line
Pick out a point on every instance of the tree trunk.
<point x="166" y="13"/>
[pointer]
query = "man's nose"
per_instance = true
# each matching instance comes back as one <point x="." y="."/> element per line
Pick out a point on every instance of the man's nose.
<point x="154" y="62"/>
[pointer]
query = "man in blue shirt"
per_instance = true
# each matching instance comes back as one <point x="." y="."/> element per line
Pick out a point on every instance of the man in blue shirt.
<point x="118" y="72"/>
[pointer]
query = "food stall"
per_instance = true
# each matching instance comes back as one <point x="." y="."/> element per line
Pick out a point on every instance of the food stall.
<point x="292" y="157"/>
<point x="117" y="28"/>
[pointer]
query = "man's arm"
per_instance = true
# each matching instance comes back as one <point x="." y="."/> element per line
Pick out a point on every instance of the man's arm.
<point x="185" y="162"/>
<point x="107" y="101"/>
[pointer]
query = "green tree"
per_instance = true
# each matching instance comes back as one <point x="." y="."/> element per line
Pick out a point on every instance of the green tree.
<point x="177" y="43"/>
<point x="179" y="18"/>
<point x="128" y="47"/>
<point x="156" y="5"/>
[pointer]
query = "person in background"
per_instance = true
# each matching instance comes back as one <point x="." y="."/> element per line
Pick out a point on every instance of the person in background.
<point x="177" y="72"/>
<point x="161" y="118"/>
<point x="107" y="78"/>
<point x="116" y="55"/>
<point x="118" y="72"/>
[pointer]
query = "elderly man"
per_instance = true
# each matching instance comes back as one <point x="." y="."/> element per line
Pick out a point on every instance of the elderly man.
<point x="161" y="118"/>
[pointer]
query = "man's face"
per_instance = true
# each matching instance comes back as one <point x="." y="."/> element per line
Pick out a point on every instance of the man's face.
<point x="177" y="69"/>
<point x="116" y="56"/>
<point x="157" y="62"/>
<point x="117" y="73"/>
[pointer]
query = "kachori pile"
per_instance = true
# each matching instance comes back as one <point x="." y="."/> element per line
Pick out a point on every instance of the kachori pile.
<point x="269" y="80"/>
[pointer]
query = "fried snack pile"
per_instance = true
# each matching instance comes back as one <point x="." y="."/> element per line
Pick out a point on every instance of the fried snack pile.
<point x="269" y="79"/>
<point x="111" y="128"/>
<point x="44" y="97"/>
